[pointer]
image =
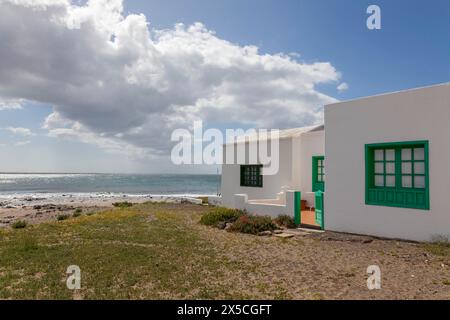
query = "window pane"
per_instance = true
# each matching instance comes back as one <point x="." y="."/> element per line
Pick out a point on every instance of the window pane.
<point x="419" y="167"/>
<point x="406" y="154"/>
<point x="379" y="155"/>
<point x="419" y="154"/>
<point x="390" y="155"/>
<point x="379" y="167"/>
<point x="319" y="178"/>
<point x="406" y="182"/>
<point x="379" y="181"/>
<point x="406" y="168"/>
<point x="390" y="167"/>
<point x="419" y="182"/>
<point x="390" y="181"/>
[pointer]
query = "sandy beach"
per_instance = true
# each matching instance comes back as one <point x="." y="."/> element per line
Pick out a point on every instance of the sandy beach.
<point x="38" y="208"/>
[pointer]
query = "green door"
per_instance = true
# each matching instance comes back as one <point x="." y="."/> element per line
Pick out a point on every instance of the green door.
<point x="319" y="209"/>
<point x="318" y="173"/>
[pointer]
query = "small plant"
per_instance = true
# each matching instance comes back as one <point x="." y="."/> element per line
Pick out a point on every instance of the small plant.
<point x="28" y="243"/>
<point x="62" y="217"/>
<point x="253" y="224"/>
<point x="122" y="205"/>
<point x="440" y="246"/>
<point x="218" y="215"/>
<point x="19" y="224"/>
<point x="78" y="210"/>
<point x="285" y="221"/>
<point x="76" y="214"/>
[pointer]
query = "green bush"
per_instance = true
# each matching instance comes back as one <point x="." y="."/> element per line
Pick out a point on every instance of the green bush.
<point x="253" y="224"/>
<point x="78" y="210"/>
<point x="218" y="215"/>
<point x="61" y="217"/>
<point x="285" y="221"/>
<point x="124" y="204"/>
<point x="76" y="214"/>
<point x="19" y="224"/>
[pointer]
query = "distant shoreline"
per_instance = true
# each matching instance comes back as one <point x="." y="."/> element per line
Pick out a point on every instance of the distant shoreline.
<point x="112" y="173"/>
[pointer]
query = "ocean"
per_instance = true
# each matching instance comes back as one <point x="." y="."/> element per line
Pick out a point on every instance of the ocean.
<point x="133" y="184"/>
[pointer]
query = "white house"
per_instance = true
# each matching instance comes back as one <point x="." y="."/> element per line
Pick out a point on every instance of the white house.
<point x="301" y="151"/>
<point x="383" y="162"/>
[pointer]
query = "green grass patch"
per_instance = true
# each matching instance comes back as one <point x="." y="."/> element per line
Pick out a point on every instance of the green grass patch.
<point x="218" y="215"/>
<point x="61" y="217"/>
<point x="123" y="204"/>
<point x="19" y="224"/>
<point x="121" y="253"/>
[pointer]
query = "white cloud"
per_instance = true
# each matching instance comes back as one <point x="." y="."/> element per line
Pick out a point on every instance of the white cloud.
<point x="24" y="132"/>
<point x="116" y="84"/>
<point x="22" y="143"/>
<point x="342" y="87"/>
<point x="10" y="104"/>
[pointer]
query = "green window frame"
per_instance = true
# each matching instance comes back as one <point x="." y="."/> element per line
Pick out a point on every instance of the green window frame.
<point x="318" y="173"/>
<point x="251" y="176"/>
<point x="397" y="174"/>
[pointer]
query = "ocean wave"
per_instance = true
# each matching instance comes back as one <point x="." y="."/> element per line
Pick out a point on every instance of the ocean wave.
<point x="17" y="176"/>
<point x="7" y="181"/>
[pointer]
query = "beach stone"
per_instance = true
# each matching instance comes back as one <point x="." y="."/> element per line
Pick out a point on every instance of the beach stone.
<point x="228" y="226"/>
<point x="265" y="233"/>
<point x="221" y="225"/>
<point x="284" y="235"/>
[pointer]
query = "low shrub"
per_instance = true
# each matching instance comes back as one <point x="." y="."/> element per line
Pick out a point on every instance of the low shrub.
<point x="19" y="224"/>
<point x="217" y="215"/>
<point x="78" y="210"/>
<point x="76" y="214"/>
<point x="253" y="224"/>
<point x="62" y="217"/>
<point x="285" y="221"/>
<point x="124" y="204"/>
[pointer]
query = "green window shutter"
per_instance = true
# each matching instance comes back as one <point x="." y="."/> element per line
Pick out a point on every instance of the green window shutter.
<point x="397" y="174"/>
<point x="251" y="176"/>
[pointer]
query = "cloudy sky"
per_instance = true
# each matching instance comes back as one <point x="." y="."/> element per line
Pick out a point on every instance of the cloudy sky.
<point x="99" y="86"/>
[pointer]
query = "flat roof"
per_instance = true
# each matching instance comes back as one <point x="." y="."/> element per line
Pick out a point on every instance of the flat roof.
<point x="283" y="134"/>
<point x="390" y="93"/>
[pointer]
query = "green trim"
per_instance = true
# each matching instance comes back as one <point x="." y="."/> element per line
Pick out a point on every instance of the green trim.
<point x="297" y="208"/>
<point x="318" y="178"/>
<point x="319" y="209"/>
<point x="251" y="176"/>
<point x="380" y="192"/>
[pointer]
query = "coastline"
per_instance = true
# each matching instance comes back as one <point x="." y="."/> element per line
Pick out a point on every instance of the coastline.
<point x="43" y="207"/>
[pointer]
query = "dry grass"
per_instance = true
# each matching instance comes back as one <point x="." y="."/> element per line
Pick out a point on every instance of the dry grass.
<point x="160" y="251"/>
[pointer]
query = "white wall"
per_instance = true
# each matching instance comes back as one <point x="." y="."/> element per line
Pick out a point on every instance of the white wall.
<point x="312" y="144"/>
<point x="420" y="114"/>
<point x="272" y="184"/>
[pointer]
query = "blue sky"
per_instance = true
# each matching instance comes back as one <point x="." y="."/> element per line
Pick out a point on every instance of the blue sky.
<point x="411" y="50"/>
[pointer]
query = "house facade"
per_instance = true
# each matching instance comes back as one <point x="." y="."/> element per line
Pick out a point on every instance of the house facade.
<point x="383" y="163"/>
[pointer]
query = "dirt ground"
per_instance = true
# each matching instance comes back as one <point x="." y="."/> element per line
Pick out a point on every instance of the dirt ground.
<point x="170" y="255"/>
